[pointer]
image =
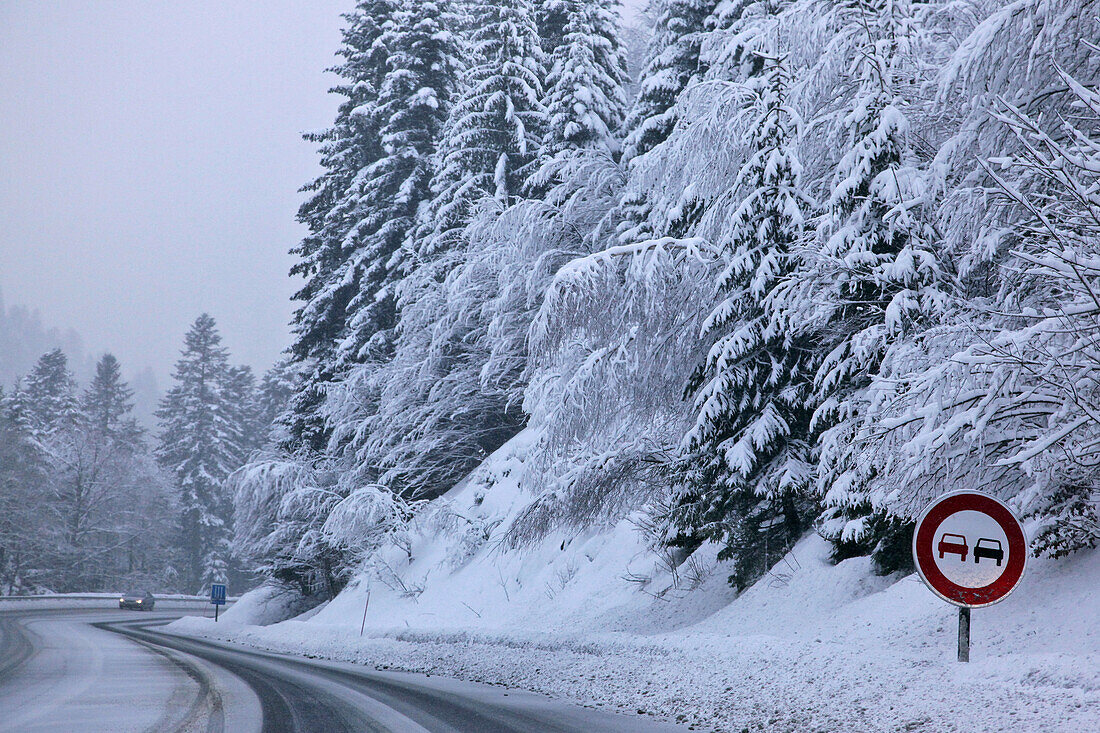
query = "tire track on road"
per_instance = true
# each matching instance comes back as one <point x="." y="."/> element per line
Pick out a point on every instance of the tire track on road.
<point x="206" y="704"/>
<point x="16" y="646"/>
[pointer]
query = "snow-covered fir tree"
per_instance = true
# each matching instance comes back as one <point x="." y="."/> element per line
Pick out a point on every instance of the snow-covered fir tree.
<point x="585" y="99"/>
<point x="873" y="277"/>
<point x="274" y="393"/>
<point x="108" y="401"/>
<point x="22" y="480"/>
<point x="674" y="64"/>
<point x="50" y="394"/>
<point x="243" y="413"/>
<point x="747" y="458"/>
<point x="493" y="136"/>
<point x="551" y="17"/>
<point x="413" y="102"/>
<point x="347" y="148"/>
<point x="198" y="446"/>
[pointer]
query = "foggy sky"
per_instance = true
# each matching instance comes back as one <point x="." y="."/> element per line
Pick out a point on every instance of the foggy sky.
<point x="150" y="157"/>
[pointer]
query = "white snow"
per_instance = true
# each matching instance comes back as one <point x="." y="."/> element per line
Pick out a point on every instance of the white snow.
<point x="597" y="618"/>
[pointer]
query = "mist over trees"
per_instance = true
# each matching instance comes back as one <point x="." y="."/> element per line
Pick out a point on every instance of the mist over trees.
<point x="817" y="265"/>
<point x="90" y="500"/>
<point x="84" y="506"/>
<point x="24" y="338"/>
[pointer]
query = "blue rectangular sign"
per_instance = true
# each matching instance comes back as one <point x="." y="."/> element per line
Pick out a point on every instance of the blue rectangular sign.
<point x="217" y="594"/>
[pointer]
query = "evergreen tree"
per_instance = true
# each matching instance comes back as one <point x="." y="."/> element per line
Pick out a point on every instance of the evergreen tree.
<point x="348" y="148"/>
<point x="197" y="446"/>
<point x="746" y="463"/>
<point x="875" y="276"/>
<point x="551" y="17"/>
<point x="243" y="413"/>
<point x="673" y="65"/>
<point x="494" y="132"/>
<point x="22" y="479"/>
<point x="413" y="103"/>
<point x="108" y="403"/>
<point x="274" y="394"/>
<point x="585" y="99"/>
<point x="50" y="392"/>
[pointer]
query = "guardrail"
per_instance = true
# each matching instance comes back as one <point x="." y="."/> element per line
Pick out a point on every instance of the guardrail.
<point x="100" y="600"/>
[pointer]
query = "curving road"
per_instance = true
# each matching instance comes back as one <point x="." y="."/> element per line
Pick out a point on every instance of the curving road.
<point x="116" y="670"/>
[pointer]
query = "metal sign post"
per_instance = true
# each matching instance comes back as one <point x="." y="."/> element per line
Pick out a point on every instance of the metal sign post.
<point x="971" y="551"/>
<point x="366" y="605"/>
<point x="964" y="633"/>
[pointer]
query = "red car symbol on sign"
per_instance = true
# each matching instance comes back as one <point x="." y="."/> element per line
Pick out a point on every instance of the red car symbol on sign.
<point x="953" y="543"/>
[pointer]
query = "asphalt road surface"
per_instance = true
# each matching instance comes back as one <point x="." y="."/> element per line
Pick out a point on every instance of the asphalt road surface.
<point x="110" y="670"/>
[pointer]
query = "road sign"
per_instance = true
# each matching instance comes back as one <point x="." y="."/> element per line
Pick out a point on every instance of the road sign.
<point x="969" y="549"/>
<point x="217" y="594"/>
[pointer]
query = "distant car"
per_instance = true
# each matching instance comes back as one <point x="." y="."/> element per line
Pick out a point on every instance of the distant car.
<point x="989" y="548"/>
<point x="953" y="543"/>
<point x="139" y="601"/>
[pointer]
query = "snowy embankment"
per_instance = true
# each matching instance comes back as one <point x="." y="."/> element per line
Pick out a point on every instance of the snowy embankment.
<point x="597" y="618"/>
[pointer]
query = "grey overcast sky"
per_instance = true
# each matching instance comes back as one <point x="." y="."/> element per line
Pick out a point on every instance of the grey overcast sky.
<point x="150" y="160"/>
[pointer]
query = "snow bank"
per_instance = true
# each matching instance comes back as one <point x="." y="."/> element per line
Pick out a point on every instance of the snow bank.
<point x="598" y="618"/>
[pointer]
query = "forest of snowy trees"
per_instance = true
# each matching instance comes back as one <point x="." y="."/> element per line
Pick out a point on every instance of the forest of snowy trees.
<point x="90" y="501"/>
<point x="820" y="263"/>
<point x="748" y="270"/>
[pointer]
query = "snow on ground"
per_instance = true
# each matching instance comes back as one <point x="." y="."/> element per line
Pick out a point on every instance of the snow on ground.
<point x="599" y="619"/>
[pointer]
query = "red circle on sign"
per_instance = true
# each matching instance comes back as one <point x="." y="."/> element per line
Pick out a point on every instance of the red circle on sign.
<point x="924" y="549"/>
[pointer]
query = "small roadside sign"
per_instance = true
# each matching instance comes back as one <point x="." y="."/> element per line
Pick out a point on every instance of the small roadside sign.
<point x="971" y="551"/>
<point x="217" y="597"/>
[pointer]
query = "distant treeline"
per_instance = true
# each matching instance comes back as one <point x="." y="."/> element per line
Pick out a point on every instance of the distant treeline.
<point x="89" y="500"/>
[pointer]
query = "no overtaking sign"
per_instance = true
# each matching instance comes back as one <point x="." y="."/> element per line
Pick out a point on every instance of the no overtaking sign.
<point x="971" y="551"/>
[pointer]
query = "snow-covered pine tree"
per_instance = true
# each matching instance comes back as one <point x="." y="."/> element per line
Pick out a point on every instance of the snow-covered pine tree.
<point x="494" y="132"/>
<point x="347" y="148"/>
<point x="22" y="486"/>
<point x="49" y="392"/>
<point x="435" y="421"/>
<point x="274" y="394"/>
<point x="745" y="468"/>
<point x="551" y="17"/>
<point x="47" y="405"/>
<point x="242" y="413"/>
<point x="108" y="403"/>
<point x="413" y="103"/>
<point x="586" y="103"/>
<point x="673" y="65"/>
<point x="874" y="275"/>
<point x="197" y="446"/>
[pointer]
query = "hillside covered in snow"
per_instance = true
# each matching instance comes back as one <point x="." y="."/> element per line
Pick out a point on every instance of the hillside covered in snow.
<point x="626" y="358"/>
<point x="600" y="619"/>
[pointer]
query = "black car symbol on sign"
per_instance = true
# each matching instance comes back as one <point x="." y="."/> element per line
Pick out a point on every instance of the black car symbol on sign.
<point x="953" y="543"/>
<point x="991" y="549"/>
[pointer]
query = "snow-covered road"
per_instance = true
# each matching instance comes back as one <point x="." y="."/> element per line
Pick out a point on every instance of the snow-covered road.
<point x="59" y="671"/>
<point x="114" y="670"/>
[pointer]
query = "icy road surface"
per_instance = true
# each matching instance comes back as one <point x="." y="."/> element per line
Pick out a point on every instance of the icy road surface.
<point x="114" y="670"/>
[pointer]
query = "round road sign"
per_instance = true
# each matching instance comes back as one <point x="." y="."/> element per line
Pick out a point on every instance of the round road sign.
<point x="969" y="549"/>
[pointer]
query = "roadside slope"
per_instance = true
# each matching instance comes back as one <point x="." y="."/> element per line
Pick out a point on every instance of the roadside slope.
<point x="598" y="618"/>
